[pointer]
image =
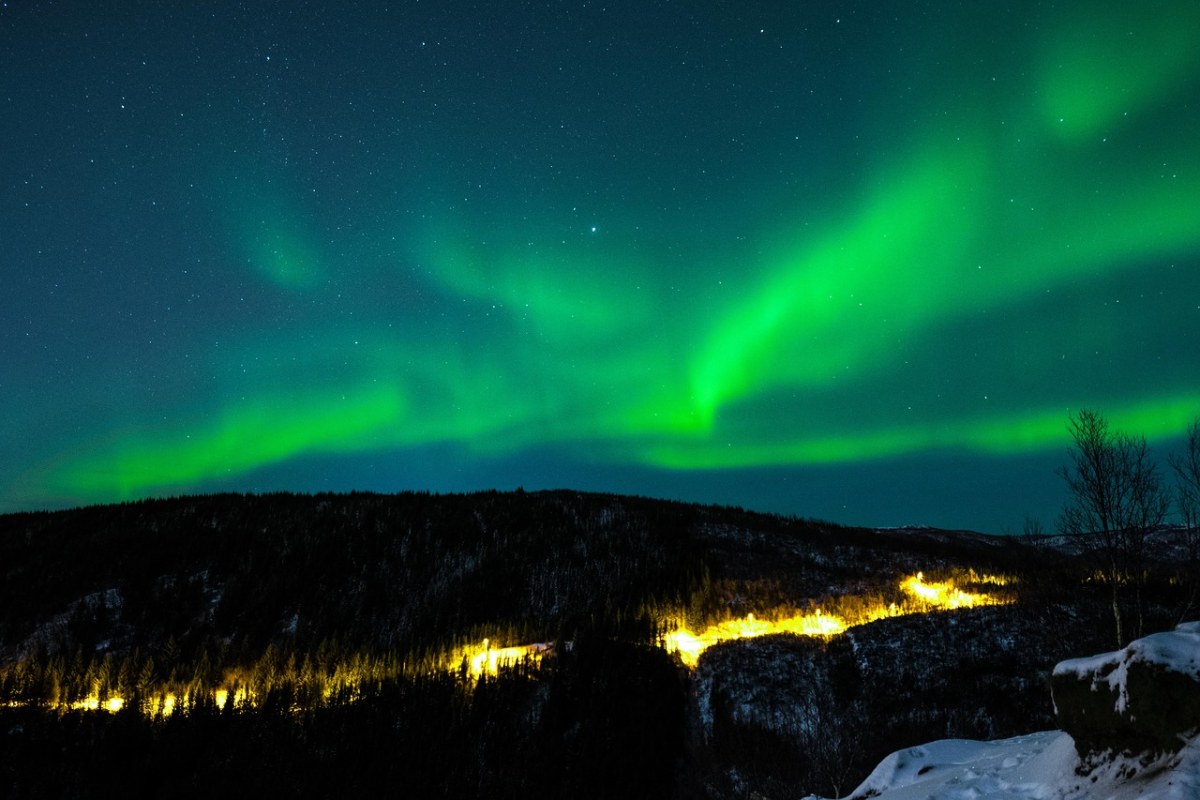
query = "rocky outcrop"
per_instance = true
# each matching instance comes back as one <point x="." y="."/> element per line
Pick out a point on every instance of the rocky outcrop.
<point x="1144" y="698"/>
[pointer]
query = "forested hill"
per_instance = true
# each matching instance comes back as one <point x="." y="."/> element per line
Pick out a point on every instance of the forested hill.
<point x="414" y="571"/>
<point x="502" y="644"/>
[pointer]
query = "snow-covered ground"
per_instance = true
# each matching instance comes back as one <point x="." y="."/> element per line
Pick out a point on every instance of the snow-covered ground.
<point x="1040" y="766"/>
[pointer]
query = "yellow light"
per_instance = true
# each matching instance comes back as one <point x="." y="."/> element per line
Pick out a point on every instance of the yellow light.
<point x="944" y="594"/>
<point x="484" y="659"/>
<point x="89" y="703"/>
<point x="687" y="644"/>
<point x="690" y="644"/>
<point x="223" y="697"/>
<point x="93" y="703"/>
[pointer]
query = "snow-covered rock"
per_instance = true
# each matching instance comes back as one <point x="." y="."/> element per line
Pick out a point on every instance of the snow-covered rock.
<point x="1144" y="698"/>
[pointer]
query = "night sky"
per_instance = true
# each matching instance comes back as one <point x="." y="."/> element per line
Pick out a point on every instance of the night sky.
<point x="852" y="260"/>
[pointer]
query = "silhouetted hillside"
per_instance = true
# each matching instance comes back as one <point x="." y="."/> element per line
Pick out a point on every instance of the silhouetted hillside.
<point x="330" y="643"/>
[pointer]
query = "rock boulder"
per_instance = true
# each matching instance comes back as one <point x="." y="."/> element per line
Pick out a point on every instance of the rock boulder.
<point x="1144" y="698"/>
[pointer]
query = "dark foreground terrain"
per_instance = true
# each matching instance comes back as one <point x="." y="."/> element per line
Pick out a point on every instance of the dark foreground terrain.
<point x="311" y="646"/>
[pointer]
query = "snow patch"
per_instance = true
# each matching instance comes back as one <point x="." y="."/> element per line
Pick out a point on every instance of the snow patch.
<point x="1039" y="766"/>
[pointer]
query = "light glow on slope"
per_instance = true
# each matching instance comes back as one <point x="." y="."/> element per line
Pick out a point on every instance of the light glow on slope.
<point x="341" y="681"/>
<point x="93" y="702"/>
<point x="920" y="596"/>
<point x="486" y="659"/>
<point x="942" y="594"/>
<point x="690" y="644"/>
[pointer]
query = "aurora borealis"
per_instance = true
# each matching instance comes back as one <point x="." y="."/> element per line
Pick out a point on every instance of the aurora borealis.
<point x="841" y="259"/>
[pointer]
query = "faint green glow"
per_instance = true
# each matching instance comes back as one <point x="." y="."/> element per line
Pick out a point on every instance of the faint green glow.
<point x="269" y="229"/>
<point x="1107" y="62"/>
<point x="566" y="291"/>
<point x="282" y="257"/>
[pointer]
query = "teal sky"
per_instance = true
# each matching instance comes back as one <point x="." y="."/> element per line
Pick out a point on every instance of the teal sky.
<point x="841" y="259"/>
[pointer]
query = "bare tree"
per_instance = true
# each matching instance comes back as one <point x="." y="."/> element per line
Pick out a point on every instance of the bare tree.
<point x="1116" y="498"/>
<point x="1186" y="466"/>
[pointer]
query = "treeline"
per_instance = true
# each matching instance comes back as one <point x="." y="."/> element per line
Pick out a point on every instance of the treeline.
<point x="166" y="685"/>
<point x="224" y="577"/>
<point x="606" y="721"/>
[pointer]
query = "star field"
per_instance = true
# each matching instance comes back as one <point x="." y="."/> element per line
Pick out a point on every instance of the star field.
<point x="832" y="259"/>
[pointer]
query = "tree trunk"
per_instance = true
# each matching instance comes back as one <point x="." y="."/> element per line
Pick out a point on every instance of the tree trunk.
<point x="1116" y="608"/>
<point x="1141" y="616"/>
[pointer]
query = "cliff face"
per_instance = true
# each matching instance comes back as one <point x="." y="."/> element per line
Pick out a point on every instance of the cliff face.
<point x="786" y="716"/>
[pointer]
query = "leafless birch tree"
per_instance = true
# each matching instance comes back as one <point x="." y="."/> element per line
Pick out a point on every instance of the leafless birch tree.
<point x="1116" y="497"/>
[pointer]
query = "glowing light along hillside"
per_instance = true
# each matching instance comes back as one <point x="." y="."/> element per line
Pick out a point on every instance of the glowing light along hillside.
<point x="924" y="596"/>
<point x="93" y="703"/>
<point x="946" y="595"/>
<point x="690" y="645"/>
<point x="343" y="681"/>
<point x="487" y="659"/>
<point x="164" y="703"/>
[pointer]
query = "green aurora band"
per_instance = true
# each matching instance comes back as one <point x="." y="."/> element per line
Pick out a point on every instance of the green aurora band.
<point x="957" y="294"/>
